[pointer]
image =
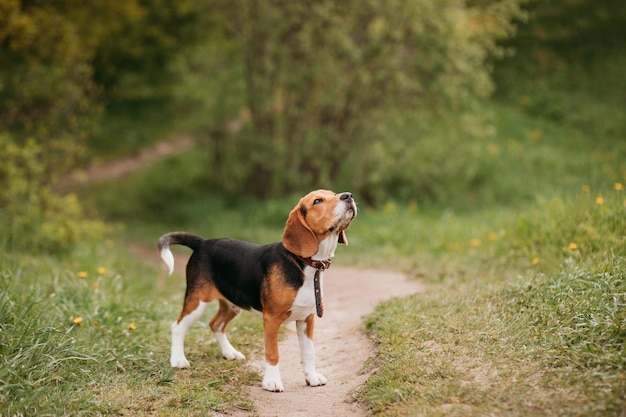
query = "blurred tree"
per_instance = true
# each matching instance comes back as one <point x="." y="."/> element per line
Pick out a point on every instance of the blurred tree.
<point x="145" y="37"/>
<point x="60" y="60"/>
<point x="559" y="33"/>
<point x="321" y="75"/>
<point x="46" y="87"/>
<point x="568" y="65"/>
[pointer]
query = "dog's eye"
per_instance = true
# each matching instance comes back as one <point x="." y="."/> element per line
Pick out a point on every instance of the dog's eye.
<point x="317" y="201"/>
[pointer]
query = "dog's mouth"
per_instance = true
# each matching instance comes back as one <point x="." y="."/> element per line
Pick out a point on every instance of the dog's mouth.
<point x="344" y="222"/>
<point x="352" y="210"/>
<point x="348" y="215"/>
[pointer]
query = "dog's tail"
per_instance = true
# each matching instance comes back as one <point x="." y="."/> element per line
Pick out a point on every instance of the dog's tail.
<point x="176" y="238"/>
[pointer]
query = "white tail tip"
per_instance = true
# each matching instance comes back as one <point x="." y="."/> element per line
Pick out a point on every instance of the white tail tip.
<point x="168" y="258"/>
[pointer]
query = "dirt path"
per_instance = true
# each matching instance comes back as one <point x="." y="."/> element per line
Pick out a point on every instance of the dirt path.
<point x="122" y="166"/>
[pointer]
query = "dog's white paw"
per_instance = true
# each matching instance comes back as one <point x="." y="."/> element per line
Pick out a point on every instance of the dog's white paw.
<point x="315" y="380"/>
<point x="271" y="379"/>
<point x="233" y="354"/>
<point x="228" y="351"/>
<point x="179" y="362"/>
<point x="273" y="385"/>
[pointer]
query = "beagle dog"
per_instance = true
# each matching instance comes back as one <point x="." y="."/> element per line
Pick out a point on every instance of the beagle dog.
<point x="282" y="280"/>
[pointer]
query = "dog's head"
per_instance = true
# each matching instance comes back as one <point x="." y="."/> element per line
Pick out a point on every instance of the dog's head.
<point x="318" y="216"/>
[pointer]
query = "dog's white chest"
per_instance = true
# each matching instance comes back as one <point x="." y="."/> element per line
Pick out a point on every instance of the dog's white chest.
<point x="304" y="303"/>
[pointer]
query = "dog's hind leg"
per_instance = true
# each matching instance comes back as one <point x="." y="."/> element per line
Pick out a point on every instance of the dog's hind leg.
<point x="226" y="312"/>
<point x="192" y="310"/>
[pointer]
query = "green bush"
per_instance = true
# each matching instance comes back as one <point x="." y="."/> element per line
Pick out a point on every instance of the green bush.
<point x="419" y="159"/>
<point x="31" y="214"/>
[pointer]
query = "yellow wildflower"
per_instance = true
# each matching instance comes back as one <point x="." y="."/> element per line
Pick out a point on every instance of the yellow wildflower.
<point x="77" y="320"/>
<point x="492" y="236"/>
<point x="586" y="188"/>
<point x="82" y="274"/>
<point x="102" y="270"/>
<point x="493" y="149"/>
<point x="390" y="207"/>
<point x="573" y="246"/>
<point x="535" y="135"/>
<point x="535" y="261"/>
<point x="619" y="186"/>
<point x="599" y="201"/>
<point x="132" y="326"/>
<point x="475" y="242"/>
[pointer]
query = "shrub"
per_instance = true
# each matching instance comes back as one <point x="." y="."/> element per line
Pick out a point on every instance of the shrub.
<point x="31" y="214"/>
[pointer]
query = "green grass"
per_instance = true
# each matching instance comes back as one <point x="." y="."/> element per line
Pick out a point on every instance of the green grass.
<point x="100" y="344"/>
<point x="460" y="351"/>
<point x="497" y="334"/>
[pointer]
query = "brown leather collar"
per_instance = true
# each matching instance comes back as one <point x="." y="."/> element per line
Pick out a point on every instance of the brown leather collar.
<point x="320" y="265"/>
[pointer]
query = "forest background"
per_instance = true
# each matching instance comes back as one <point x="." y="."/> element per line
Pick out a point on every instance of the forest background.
<point x="495" y="112"/>
<point x="392" y="102"/>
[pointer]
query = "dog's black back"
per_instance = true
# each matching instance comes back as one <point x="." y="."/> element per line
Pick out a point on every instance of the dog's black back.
<point x="238" y="269"/>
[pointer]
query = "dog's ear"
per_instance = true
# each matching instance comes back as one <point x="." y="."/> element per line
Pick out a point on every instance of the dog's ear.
<point x="343" y="238"/>
<point x="298" y="237"/>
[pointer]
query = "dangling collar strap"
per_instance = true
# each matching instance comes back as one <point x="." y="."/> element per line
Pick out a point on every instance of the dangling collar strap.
<point x="319" y="266"/>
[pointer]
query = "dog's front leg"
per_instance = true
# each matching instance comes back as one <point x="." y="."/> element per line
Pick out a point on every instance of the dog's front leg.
<point x="307" y="351"/>
<point x="271" y="378"/>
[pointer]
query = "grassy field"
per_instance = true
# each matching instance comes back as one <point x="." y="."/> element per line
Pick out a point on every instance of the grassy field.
<point x="89" y="335"/>
<point x="530" y="321"/>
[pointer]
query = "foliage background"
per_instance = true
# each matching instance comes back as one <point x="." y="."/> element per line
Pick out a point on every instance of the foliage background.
<point x="298" y="96"/>
<point x="392" y="100"/>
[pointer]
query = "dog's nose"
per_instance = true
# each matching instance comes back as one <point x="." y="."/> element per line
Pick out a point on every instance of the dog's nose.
<point x="346" y="196"/>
